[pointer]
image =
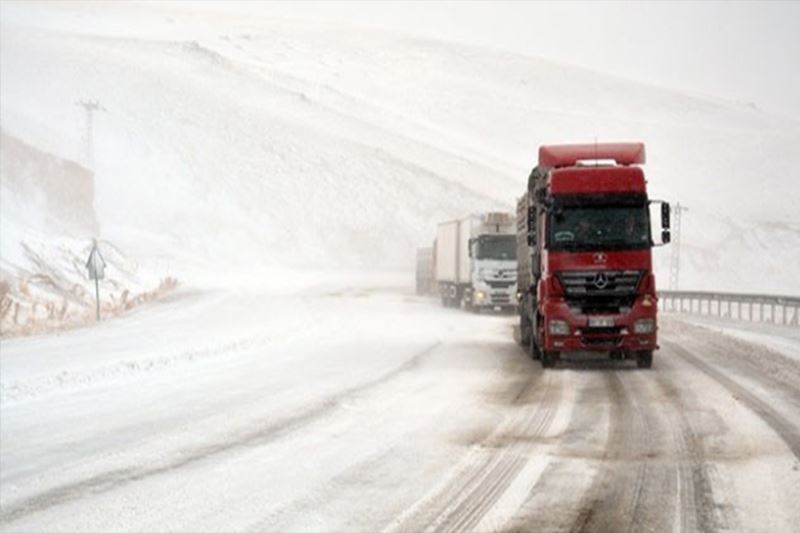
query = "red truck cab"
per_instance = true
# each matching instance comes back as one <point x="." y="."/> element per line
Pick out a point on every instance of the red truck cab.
<point x="586" y="226"/>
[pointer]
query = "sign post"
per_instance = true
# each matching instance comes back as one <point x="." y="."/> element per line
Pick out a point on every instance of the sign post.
<point x="96" y="266"/>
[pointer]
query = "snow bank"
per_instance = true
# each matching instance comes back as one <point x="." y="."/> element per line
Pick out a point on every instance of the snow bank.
<point x="47" y="287"/>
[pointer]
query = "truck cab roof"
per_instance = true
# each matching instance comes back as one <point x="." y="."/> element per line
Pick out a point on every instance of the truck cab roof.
<point x="569" y="155"/>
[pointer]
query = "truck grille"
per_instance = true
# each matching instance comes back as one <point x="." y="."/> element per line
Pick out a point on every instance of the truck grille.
<point x="599" y="342"/>
<point x="500" y="284"/>
<point x="600" y="291"/>
<point x="615" y="330"/>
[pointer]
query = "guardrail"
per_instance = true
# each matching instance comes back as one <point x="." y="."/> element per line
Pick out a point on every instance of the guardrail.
<point x="769" y="308"/>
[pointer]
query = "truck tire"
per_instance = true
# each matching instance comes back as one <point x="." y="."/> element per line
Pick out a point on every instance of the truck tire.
<point x="524" y="331"/>
<point x="549" y="359"/>
<point x="644" y="359"/>
<point x="533" y="349"/>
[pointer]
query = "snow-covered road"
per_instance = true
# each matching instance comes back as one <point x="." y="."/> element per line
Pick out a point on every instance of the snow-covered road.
<point x="355" y="407"/>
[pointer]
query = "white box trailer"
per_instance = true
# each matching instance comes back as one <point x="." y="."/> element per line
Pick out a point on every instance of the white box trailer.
<point x="452" y="252"/>
<point x="470" y="255"/>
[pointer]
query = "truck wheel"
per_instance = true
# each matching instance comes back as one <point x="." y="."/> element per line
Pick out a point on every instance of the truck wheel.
<point x="549" y="359"/>
<point x="535" y="351"/>
<point x="524" y="331"/>
<point x="451" y="297"/>
<point x="533" y="348"/>
<point x="645" y="359"/>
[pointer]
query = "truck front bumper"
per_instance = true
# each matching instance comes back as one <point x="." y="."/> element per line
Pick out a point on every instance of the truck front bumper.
<point x="493" y="299"/>
<point x="582" y="334"/>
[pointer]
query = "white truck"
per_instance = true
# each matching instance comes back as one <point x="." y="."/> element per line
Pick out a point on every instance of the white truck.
<point x="476" y="262"/>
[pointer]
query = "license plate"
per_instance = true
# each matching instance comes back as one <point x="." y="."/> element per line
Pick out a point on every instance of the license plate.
<point x="601" y="322"/>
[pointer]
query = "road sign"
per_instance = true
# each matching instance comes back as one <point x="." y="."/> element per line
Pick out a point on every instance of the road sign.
<point x="96" y="266"/>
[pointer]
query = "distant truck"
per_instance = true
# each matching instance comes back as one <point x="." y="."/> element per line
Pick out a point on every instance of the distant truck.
<point x="584" y="246"/>
<point x="425" y="277"/>
<point x="476" y="262"/>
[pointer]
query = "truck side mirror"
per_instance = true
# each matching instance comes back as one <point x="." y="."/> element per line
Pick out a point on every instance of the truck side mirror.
<point x="469" y="247"/>
<point x="665" y="229"/>
<point x="532" y="226"/>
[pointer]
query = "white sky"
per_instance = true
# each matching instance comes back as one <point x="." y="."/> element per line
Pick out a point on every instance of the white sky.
<point x="739" y="51"/>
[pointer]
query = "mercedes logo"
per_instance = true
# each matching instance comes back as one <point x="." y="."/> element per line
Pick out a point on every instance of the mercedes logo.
<point x="600" y="280"/>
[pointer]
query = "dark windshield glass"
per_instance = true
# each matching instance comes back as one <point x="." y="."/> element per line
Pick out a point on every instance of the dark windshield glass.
<point x="601" y="227"/>
<point x="496" y="247"/>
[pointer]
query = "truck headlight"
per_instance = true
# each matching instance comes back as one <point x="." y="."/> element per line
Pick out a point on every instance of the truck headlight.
<point x="644" y="325"/>
<point x="558" y="327"/>
<point x="479" y="296"/>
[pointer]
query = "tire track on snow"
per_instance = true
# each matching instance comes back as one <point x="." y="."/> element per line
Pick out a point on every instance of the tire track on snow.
<point x="472" y="493"/>
<point x="787" y="431"/>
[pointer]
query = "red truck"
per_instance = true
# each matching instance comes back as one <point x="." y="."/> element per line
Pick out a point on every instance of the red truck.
<point x="585" y="272"/>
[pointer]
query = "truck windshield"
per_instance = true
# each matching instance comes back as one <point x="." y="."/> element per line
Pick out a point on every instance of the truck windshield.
<point x="496" y="247"/>
<point x="599" y="227"/>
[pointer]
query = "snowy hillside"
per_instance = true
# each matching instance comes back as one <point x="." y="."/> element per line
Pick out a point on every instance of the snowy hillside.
<point x="248" y="141"/>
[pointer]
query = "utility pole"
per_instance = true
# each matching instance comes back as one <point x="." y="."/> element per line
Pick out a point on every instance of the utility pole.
<point x="97" y="298"/>
<point x="90" y="106"/>
<point x="95" y="264"/>
<point x="675" y="256"/>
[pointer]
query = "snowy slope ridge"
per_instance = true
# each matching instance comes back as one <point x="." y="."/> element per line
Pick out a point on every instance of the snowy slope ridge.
<point x="243" y="140"/>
